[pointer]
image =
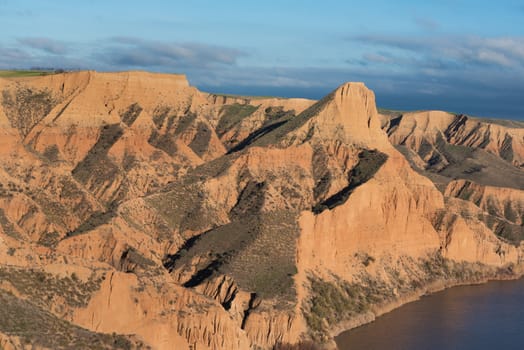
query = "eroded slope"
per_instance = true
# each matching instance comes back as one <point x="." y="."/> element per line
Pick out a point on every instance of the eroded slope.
<point x="190" y="219"/>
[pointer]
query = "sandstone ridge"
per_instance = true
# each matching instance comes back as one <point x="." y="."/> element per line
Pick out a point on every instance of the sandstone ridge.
<point x="139" y="212"/>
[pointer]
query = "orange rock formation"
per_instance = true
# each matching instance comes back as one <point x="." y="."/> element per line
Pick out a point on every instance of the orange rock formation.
<point x="137" y="211"/>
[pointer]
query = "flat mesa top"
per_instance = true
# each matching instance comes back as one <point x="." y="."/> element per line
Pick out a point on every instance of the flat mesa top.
<point x="41" y="73"/>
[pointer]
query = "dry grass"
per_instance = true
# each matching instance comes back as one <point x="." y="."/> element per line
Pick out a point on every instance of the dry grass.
<point x="8" y="228"/>
<point x="42" y="287"/>
<point x="334" y="301"/>
<point x="33" y="325"/>
<point x="26" y="107"/>
<point x="130" y="114"/>
<point x="231" y="115"/>
<point x="257" y="251"/>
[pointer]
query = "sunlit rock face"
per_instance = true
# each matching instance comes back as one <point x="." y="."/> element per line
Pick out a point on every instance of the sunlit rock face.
<point x="137" y="211"/>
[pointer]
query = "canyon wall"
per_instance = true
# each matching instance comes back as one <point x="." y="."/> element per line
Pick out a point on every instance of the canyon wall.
<point x="137" y="211"/>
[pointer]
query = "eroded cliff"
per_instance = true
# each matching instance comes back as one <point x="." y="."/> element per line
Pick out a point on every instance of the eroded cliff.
<point x="133" y="204"/>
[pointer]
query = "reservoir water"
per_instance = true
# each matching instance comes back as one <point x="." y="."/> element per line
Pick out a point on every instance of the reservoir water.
<point x="488" y="316"/>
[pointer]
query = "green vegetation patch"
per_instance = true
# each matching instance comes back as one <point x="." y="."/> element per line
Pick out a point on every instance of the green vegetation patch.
<point x="96" y="219"/>
<point x="160" y="231"/>
<point x="267" y="265"/>
<point x="8" y="228"/>
<point x="183" y="207"/>
<point x="24" y="73"/>
<point x="54" y="211"/>
<point x="41" y="287"/>
<point x="230" y="115"/>
<point x="506" y="151"/>
<point x="164" y="142"/>
<point x="469" y="194"/>
<point x="273" y="132"/>
<point x="336" y="300"/>
<point x="511" y="215"/>
<point x="131" y="113"/>
<point x="26" y="107"/>
<point x="295" y="122"/>
<point x="97" y="168"/>
<point x="246" y="98"/>
<point x="321" y="174"/>
<point x="183" y="123"/>
<point x="160" y="114"/>
<point x="391" y="112"/>
<point x="51" y="153"/>
<point x="514" y="124"/>
<point x="257" y="250"/>
<point x="170" y="125"/>
<point x="131" y="259"/>
<point x="370" y="161"/>
<point x="301" y="345"/>
<point x="200" y="142"/>
<point x="73" y="197"/>
<point x="503" y="228"/>
<point x="332" y="302"/>
<point x="277" y="112"/>
<point x="49" y="239"/>
<point x="35" y="326"/>
<point x="438" y="267"/>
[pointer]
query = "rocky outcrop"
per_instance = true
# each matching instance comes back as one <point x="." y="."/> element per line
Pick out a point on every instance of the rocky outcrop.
<point x="500" y="209"/>
<point x="179" y="218"/>
<point x="422" y="130"/>
<point x="446" y="146"/>
<point x="507" y="203"/>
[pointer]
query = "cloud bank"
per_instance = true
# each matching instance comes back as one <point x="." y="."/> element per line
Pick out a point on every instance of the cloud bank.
<point x="124" y="52"/>
<point x="46" y="45"/>
<point x="471" y="74"/>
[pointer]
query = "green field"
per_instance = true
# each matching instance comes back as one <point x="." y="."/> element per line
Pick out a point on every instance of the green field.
<point x="23" y="73"/>
<point x="246" y="97"/>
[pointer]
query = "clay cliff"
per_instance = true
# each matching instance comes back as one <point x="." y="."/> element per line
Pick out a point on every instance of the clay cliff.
<point x="138" y="212"/>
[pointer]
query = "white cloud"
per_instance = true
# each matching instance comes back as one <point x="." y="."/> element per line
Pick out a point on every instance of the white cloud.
<point x="125" y="53"/>
<point x="451" y="50"/>
<point x="46" y="45"/>
<point x="490" y="56"/>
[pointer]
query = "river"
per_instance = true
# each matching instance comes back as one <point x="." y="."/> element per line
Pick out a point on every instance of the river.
<point x="488" y="316"/>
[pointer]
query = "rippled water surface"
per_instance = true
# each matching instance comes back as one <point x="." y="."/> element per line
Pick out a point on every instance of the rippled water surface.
<point x="489" y="316"/>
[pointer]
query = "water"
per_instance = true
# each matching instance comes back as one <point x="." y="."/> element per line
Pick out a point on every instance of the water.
<point x="489" y="316"/>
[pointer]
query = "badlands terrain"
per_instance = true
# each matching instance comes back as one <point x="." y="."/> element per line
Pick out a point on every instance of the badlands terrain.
<point x="137" y="212"/>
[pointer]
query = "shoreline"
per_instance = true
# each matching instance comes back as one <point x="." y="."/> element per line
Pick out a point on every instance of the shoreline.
<point x="431" y="288"/>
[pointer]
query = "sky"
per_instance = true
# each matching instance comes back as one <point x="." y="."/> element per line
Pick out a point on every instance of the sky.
<point x="462" y="56"/>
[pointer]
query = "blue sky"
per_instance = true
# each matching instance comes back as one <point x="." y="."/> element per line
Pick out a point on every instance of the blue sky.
<point x="458" y="55"/>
